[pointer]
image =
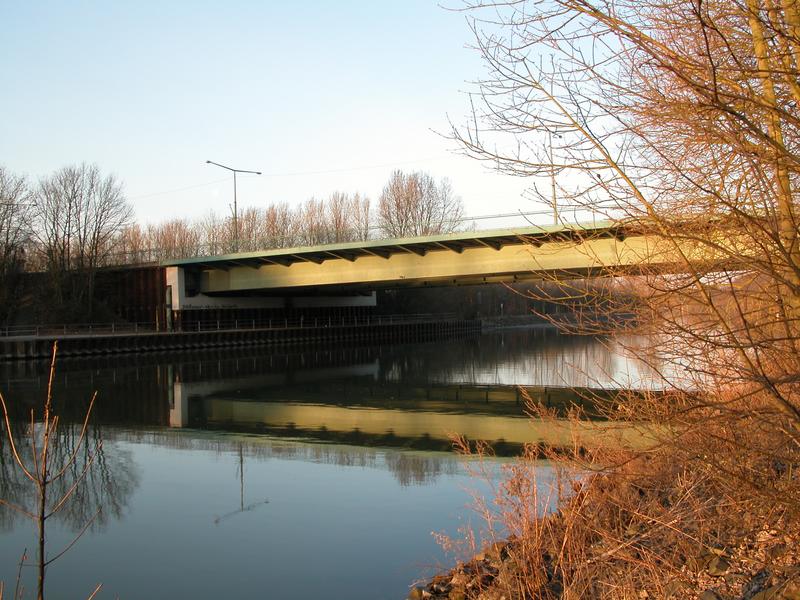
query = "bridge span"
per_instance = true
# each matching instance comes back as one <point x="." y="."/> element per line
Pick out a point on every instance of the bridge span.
<point x="354" y="270"/>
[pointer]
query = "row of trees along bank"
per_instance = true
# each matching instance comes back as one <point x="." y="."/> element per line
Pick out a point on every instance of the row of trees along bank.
<point x="76" y="220"/>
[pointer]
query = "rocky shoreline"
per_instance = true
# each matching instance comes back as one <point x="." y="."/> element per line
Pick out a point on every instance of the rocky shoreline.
<point x="714" y="574"/>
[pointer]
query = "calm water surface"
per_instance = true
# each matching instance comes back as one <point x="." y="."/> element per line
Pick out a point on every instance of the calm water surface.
<point x="282" y="473"/>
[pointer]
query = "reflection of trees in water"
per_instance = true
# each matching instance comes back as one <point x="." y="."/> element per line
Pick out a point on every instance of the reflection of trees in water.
<point x="128" y="394"/>
<point x="409" y="468"/>
<point x="13" y="483"/>
<point x="533" y="357"/>
<point x="418" y="469"/>
<point x="107" y="485"/>
<point x="538" y="356"/>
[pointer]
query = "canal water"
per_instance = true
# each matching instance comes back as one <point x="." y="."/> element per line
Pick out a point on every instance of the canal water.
<point x="285" y="473"/>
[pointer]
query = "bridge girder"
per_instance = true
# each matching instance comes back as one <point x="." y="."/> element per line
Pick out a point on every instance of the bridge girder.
<point x="439" y="266"/>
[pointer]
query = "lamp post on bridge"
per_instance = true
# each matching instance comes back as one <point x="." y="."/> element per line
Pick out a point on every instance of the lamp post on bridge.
<point x="235" y="206"/>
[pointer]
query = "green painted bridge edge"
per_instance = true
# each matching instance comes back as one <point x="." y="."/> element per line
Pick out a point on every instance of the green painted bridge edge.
<point x="531" y="231"/>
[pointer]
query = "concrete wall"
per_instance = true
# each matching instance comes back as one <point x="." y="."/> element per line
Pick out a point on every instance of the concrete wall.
<point x="176" y="278"/>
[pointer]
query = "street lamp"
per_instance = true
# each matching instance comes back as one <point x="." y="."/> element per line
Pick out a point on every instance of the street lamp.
<point x="554" y="199"/>
<point x="235" y="206"/>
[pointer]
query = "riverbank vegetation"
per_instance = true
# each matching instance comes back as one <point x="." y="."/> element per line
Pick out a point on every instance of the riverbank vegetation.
<point x="45" y="469"/>
<point x="681" y="118"/>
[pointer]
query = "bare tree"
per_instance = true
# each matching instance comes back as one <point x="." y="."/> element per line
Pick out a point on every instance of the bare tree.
<point x="360" y="217"/>
<point x="14" y="233"/>
<point x="313" y="226"/>
<point x="342" y="217"/>
<point x="678" y="119"/>
<point x="338" y="217"/>
<point x="681" y="121"/>
<point x="251" y="229"/>
<point x="347" y="217"/>
<point x="214" y="239"/>
<point x="56" y="473"/>
<point x="132" y="246"/>
<point x="280" y="226"/>
<point x="77" y="213"/>
<point x="177" y="238"/>
<point x="414" y="204"/>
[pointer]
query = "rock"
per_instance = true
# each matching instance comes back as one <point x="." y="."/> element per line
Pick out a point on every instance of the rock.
<point x="718" y="566"/>
<point x="701" y="561"/>
<point x="440" y="588"/>
<point x="457" y="595"/>
<point x="756" y="584"/>
<point x="709" y="595"/>
<point x="498" y="550"/>
<point x="674" y="589"/>
<point x="734" y="579"/>
<point x="493" y="552"/>
<point x="416" y="593"/>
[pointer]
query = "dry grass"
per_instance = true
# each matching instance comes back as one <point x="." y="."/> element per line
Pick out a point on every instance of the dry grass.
<point x="712" y="506"/>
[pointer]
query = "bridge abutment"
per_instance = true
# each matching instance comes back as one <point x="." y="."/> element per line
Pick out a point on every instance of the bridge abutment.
<point x="188" y="308"/>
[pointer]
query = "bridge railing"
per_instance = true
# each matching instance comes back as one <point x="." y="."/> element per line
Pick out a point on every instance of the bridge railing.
<point x="52" y="329"/>
<point x="81" y="329"/>
<point x="314" y="322"/>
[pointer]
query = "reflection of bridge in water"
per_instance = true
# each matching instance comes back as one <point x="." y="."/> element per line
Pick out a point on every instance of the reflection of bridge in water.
<point x="491" y="413"/>
<point x="412" y="396"/>
<point x="402" y="395"/>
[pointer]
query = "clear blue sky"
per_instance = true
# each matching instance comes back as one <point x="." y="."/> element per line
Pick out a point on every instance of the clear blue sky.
<point x="320" y="96"/>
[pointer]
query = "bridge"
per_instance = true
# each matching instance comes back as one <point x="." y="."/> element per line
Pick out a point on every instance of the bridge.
<point x="336" y="291"/>
<point x="351" y="272"/>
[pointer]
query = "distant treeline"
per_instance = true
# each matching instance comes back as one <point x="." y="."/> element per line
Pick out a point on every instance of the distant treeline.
<point x="410" y="205"/>
<point x="77" y="220"/>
